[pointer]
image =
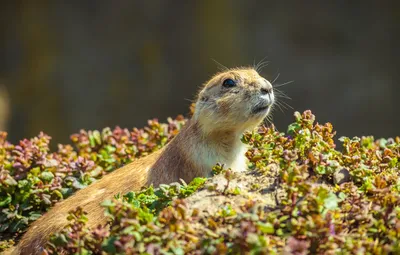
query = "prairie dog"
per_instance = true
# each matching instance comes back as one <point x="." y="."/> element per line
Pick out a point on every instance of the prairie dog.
<point x="230" y="103"/>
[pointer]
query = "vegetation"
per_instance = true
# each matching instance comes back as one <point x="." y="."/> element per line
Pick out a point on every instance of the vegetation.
<point x="301" y="195"/>
<point x="32" y="178"/>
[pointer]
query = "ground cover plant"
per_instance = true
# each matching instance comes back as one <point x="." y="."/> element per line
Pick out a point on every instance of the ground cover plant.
<point x="300" y="196"/>
<point x="32" y="178"/>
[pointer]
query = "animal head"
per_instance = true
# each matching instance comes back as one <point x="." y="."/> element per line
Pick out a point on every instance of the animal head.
<point x="234" y="100"/>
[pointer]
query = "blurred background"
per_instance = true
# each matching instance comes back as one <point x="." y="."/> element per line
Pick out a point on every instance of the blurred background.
<point x="91" y="64"/>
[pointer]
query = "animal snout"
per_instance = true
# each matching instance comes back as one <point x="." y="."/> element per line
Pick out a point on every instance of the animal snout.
<point x="265" y="91"/>
<point x="267" y="96"/>
<point x="266" y="87"/>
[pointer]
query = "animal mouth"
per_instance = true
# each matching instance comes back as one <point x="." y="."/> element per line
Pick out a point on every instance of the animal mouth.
<point x="260" y="109"/>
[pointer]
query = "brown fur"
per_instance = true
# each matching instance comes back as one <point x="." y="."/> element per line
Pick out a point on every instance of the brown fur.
<point x="211" y="136"/>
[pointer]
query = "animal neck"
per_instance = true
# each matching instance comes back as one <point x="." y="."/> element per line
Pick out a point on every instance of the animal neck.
<point x="193" y="153"/>
<point x="211" y="146"/>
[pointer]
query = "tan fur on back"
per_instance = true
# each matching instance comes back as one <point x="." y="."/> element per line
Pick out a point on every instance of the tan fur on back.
<point x="222" y="114"/>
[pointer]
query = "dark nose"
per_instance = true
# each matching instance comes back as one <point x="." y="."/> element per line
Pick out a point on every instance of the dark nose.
<point x="265" y="91"/>
<point x="266" y="87"/>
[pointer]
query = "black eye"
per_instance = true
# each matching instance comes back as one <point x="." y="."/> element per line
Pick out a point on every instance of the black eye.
<point x="229" y="83"/>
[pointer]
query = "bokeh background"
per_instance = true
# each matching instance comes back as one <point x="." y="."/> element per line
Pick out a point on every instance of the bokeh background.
<point x="67" y="65"/>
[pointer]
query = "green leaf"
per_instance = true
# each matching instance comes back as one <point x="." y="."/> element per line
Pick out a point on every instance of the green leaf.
<point x="279" y="232"/>
<point x="266" y="228"/>
<point x="24" y="184"/>
<point x="177" y="251"/>
<point x="130" y="197"/>
<point x="97" y="137"/>
<point x="108" y="245"/>
<point x="66" y="192"/>
<point x="108" y="203"/>
<point x="320" y="169"/>
<point x="92" y="141"/>
<point x="34" y="216"/>
<point x="10" y="181"/>
<point x="293" y="128"/>
<point x="35" y="171"/>
<point x="47" y="176"/>
<point x="58" y="194"/>
<point x="331" y="202"/>
<point x="78" y="184"/>
<point x="5" y="200"/>
<point x="342" y="196"/>
<point x="59" y="240"/>
<point x="17" y="225"/>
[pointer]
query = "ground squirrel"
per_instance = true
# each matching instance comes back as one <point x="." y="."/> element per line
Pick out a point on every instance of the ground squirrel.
<point x="230" y="103"/>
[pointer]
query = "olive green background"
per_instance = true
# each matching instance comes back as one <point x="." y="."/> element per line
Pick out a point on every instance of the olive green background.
<point x="89" y="64"/>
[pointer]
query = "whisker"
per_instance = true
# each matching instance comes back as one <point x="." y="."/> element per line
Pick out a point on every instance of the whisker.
<point x="270" y="115"/>
<point x="278" y="91"/>
<point x="261" y="64"/>
<point x="283" y="84"/>
<point x="282" y="95"/>
<point x="190" y="100"/>
<point x="267" y="120"/>
<point x="270" y="119"/>
<point x="281" y="103"/>
<point x="280" y="106"/>
<point x="286" y="105"/>
<point x="276" y="78"/>
<point x="220" y="66"/>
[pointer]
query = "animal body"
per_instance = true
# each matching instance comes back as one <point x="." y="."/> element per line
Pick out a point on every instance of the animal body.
<point x="230" y="103"/>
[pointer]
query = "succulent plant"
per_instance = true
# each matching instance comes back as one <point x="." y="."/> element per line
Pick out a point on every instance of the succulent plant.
<point x="326" y="201"/>
<point x="32" y="178"/>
